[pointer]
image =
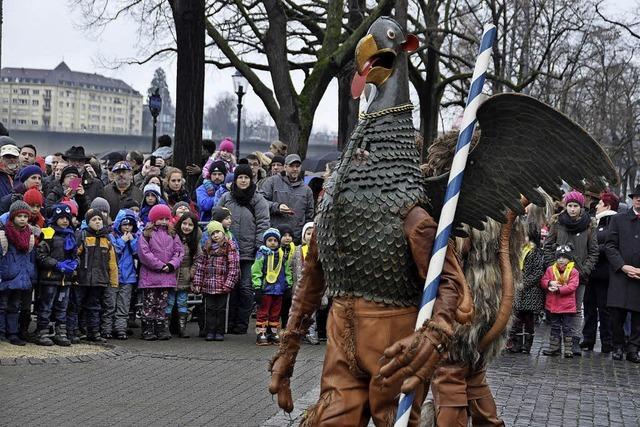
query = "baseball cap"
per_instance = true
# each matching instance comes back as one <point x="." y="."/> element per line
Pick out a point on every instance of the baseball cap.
<point x="292" y="158"/>
<point x="121" y="165"/>
<point x="9" y="150"/>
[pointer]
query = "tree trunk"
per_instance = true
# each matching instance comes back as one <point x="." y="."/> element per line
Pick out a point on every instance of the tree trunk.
<point x="189" y="19"/>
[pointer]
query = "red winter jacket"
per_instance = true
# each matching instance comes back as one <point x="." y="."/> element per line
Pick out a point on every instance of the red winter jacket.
<point x="563" y="301"/>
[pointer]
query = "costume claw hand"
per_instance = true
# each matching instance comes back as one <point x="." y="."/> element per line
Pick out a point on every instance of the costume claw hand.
<point x="280" y="384"/>
<point x="412" y="360"/>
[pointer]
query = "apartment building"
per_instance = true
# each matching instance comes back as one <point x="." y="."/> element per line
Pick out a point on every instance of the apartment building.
<point x="61" y="100"/>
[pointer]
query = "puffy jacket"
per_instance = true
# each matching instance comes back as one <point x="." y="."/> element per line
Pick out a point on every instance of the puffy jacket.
<point x="563" y="301"/>
<point x="297" y="195"/>
<point x="259" y="273"/>
<point x="217" y="270"/>
<point x="98" y="265"/>
<point x="126" y="251"/>
<point x="156" y="248"/>
<point x="116" y="198"/>
<point x="248" y="223"/>
<point x="17" y="269"/>
<point x="206" y="202"/>
<point x="183" y="275"/>
<point x="50" y="251"/>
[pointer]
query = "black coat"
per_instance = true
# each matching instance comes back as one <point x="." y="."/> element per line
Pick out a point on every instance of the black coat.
<point x="623" y="247"/>
<point x="600" y="274"/>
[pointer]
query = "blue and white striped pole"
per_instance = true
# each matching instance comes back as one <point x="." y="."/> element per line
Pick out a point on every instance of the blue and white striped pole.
<point x="451" y="200"/>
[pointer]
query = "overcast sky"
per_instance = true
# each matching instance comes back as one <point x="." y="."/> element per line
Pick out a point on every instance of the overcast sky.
<point x="41" y="33"/>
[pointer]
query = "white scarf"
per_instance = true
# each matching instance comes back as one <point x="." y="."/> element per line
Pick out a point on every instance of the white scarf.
<point x="603" y="214"/>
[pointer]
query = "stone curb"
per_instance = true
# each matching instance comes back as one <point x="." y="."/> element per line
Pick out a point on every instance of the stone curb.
<point x="111" y="352"/>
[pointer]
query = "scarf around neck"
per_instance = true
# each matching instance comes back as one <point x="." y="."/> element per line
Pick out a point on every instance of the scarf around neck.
<point x="18" y="238"/>
<point x="243" y="197"/>
<point x="574" y="226"/>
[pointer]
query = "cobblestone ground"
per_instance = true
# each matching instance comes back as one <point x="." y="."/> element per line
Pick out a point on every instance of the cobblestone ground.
<point x="192" y="382"/>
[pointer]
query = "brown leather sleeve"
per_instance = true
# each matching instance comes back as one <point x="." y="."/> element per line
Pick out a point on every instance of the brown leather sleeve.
<point x="308" y="294"/>
<point x="454" y="302"/>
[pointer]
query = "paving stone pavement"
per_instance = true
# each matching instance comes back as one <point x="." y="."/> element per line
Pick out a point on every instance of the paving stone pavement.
<point x="193" y="382"/>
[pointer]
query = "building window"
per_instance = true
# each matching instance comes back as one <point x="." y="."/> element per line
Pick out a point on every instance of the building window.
<point x="35" y="102"/>
<point x="34" y="122"/>
<point x="36" y="91"/>
<point x="24" y="91"/>
<point x="47" y="93"/>
<point x="15" y="90"/>
<point x="22" y="122"/>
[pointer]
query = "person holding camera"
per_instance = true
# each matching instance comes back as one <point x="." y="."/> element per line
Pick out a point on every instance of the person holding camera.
<point x="90" y="180"/>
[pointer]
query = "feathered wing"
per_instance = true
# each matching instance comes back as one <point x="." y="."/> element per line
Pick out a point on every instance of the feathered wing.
<point x="524" y="144"/>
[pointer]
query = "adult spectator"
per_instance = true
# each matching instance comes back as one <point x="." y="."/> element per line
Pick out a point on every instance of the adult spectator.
<point x="135" y="159"/>
<point x="149" y="169"/>
<point x="256" y="168"/>
<point x="573" y="226"/>
<point x="250" y="219"/>
<point x="290" y="199"/>
<point x="277" y="165"/>
<point x="68" y="189"/>
<point x="595" y="296"/>
<point x="174" y="187"/>
<point x="207" y="195"/>
<point x="9" y="165"/>
<point x="49" y="181"/>
<point x="91" y="184"/>
<point x="164" y="150"/>
<point x="623" y="252"/>
<point x="121" y="189"/>
<point x="29" y="177"/>
<point x="27" y="155"/>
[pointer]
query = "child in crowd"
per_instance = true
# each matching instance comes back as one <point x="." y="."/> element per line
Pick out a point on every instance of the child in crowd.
<point x="217" y="270"/>
<point x="288" y="248"/>
<point x="97" y="283"/>
<point x="271" y="276"/>
<point x="561" y="281"/>
<point x="17" y="269"/>
<point x="151" y="197"/>
<point x="57" y="261"/>
<point x="177" y="211"/>
<point x="529" y="299"/>
<point x="207" y="194"/>
<point x="160" y="252"/>
<point x="33" y="197"/>
<point x="189" y="233"/>
<point x="224" y="153"/>
<point x="124" y="239"/>
<point x="297" y="265"/>
<point x="103" y="206"/>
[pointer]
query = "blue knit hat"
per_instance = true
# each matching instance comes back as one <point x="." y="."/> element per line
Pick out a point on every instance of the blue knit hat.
<point x="28" y="171"/>
<point x="58" y="211"/>
<point x="271" y="232"/>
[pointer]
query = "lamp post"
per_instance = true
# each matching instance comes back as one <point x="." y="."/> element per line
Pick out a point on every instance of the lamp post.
<point x="155" y="106"/>
<point x="240" y="85"/>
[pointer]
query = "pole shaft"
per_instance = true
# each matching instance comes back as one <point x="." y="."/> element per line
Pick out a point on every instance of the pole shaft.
<point x="240" y="95"/>
<point x="153" y="138"/>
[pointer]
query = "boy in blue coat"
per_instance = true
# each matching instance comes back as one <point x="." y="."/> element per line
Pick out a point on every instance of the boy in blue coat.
<point x="271" y="277"/>
<point x="125" y="242"/>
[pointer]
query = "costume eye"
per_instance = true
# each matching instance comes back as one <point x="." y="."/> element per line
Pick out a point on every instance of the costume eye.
<point x="391" y="34"/>
<point x="58" y="211"/>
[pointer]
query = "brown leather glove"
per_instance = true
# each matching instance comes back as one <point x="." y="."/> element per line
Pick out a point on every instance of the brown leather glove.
<point x="306" y="300"/>
<point x="414" y="358"/>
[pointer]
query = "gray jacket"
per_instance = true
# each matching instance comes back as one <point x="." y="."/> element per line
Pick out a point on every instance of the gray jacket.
<point x="248" y="223"/>
<point x="297" y="195"/>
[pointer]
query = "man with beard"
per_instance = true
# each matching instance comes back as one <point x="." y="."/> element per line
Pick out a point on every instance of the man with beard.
<point x="10" y="163"/>
<point x="121" y="189"/>
<point x="290" y="199"/>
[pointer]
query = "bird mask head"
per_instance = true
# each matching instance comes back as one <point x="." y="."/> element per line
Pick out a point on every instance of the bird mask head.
<point x="377" y="52"/>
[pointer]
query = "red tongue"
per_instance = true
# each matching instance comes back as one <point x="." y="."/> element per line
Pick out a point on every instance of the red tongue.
<point x="360" y="79"/>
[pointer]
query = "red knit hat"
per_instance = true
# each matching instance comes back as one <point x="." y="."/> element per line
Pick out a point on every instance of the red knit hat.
<point x="159" y="212"/>
<point x="575" y="197"/>
<point x="33" y="197"/>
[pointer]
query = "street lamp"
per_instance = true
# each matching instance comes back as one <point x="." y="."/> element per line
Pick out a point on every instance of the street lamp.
<point x="240" y="85"/>
<point x="155" y="106"/>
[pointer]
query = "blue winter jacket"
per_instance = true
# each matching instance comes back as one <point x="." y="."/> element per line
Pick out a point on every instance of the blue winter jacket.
<point x="207" y="202"/>
<point x="17" y="269"/>
<point x="125" y="251"/>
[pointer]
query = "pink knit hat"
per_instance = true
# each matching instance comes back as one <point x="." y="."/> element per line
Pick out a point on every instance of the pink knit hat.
<point x="575" y="197"/>
<point x="159" y="212"/>
<point x="227" y="145"/>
